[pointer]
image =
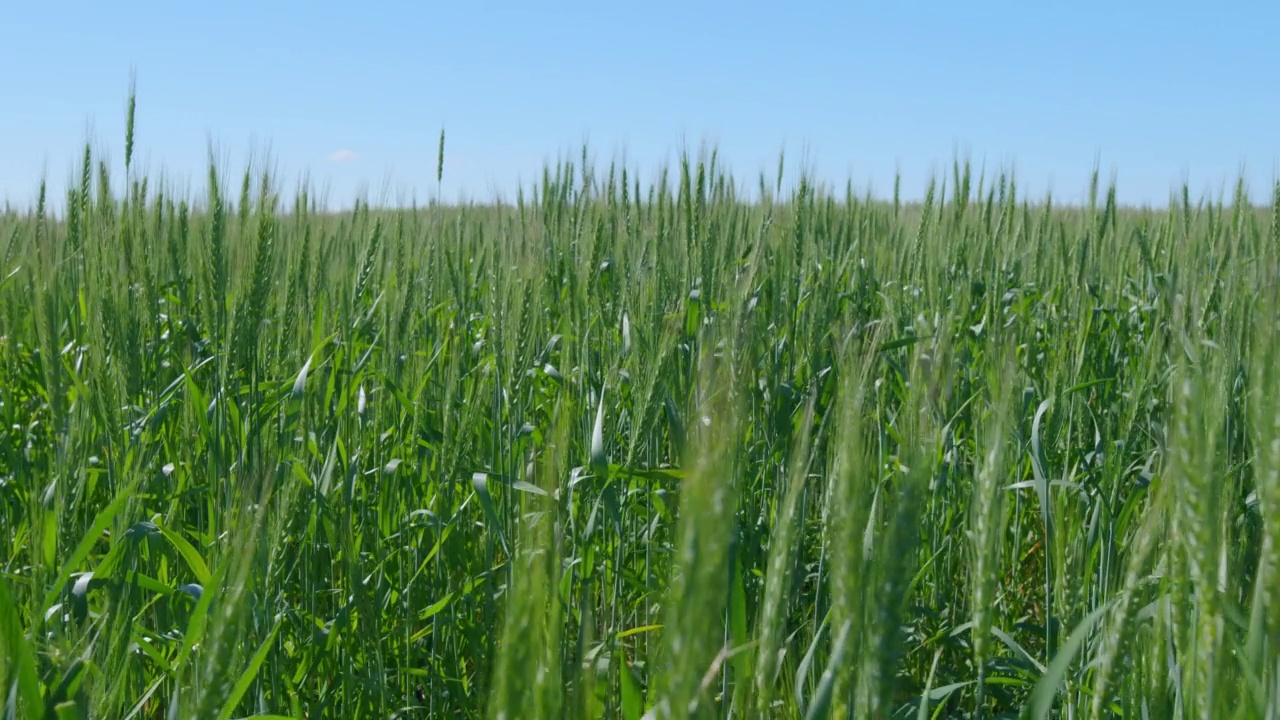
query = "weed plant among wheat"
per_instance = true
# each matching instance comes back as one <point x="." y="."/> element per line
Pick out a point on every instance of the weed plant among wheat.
<point x="621" y="450"/>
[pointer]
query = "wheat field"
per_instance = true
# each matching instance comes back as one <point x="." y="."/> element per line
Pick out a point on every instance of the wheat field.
<point x="617" y="450"/>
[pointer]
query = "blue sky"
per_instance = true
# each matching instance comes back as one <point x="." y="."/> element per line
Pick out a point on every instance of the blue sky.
<point x="354" y="95"/>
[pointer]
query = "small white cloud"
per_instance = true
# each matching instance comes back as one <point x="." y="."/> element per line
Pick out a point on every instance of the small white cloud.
<point x="343" y="156"/>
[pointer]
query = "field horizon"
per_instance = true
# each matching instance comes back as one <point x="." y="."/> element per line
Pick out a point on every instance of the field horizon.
<point x="942" y="183"/>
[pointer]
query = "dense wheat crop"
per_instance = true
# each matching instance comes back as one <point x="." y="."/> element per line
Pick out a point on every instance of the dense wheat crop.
<point x="620" y="449"/>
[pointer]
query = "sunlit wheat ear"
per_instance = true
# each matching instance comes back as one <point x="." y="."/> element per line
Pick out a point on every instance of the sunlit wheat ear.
<point x="780" y="564"/>
<point x="599" y="461"/>
<point x="989" y="519"/>
<point x="692" y="645"/>
<point x="130" y="115"/>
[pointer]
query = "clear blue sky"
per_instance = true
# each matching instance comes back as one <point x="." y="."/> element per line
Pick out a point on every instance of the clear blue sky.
<point x="354" y="95"/>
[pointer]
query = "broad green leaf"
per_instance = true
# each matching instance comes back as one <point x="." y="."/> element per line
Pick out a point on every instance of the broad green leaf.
<point x="91" y="538"/>
<point x="822" y="695"/>
<point x="19" y="663"/>
<point x="250" y="672"/>
<point x="1051" y="682"/>
<point x="189" y="554"/>
<point x="632" y="697"/>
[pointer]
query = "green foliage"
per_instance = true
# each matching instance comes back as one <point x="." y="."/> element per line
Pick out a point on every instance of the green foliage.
<point x="617" y="451"/>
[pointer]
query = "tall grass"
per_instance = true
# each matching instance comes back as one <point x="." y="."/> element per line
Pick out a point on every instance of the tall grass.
<point x="634" y="451"/>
